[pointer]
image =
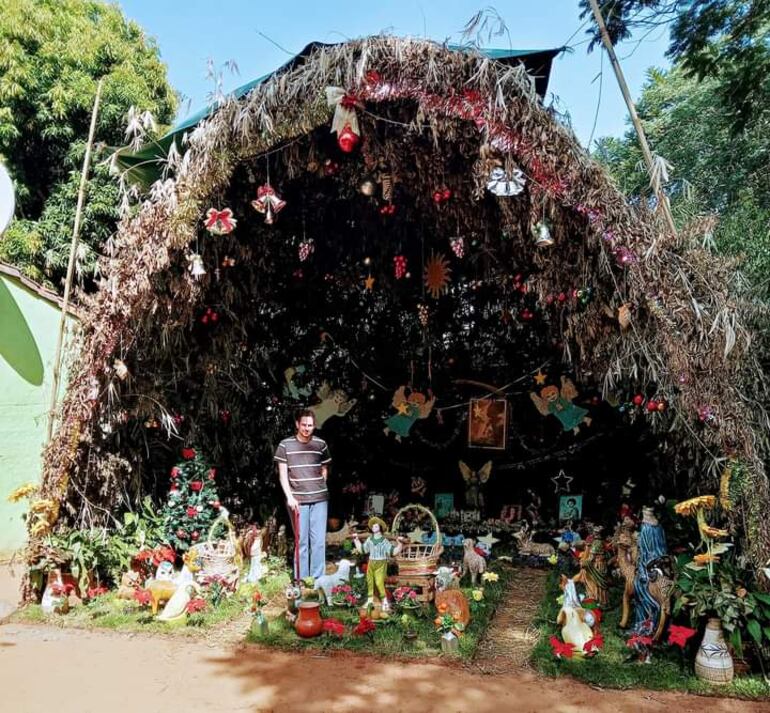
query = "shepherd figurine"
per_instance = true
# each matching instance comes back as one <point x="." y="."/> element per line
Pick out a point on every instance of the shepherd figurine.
<point x="379" y="549"/>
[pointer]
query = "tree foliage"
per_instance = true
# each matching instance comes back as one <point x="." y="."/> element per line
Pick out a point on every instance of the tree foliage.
<point x="725" y="40"/>
<point x="714" y="170"/>
<point x="52" y="53"/>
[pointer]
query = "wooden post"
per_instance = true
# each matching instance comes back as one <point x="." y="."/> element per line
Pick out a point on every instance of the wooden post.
<point x="71" y="265"/>
<point x="662" y="197"/>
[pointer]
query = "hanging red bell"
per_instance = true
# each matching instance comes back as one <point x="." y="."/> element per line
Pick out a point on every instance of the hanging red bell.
<point x="348" y="139"/>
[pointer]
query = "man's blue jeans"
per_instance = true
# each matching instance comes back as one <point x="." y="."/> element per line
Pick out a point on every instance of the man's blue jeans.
<point x="310" y="540"/>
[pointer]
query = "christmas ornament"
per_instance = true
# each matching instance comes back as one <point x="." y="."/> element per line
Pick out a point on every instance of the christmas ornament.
<point x="423" y="314"/>
<point x="584" y="295"/>
<point x="345" y="120"/>
<point x="367" y="187"/>
<point x="209" y="316"/>
<point x="306" y="247"/>
<point x="331" y="168"/>
<point x="388" y="209"/>
<point x="220" y="222"/>
<point x="228" y="261"/>
<point x="527" y="315"/>
<point x="638" y="399"/>
<point x="437" y="274"/>
<point x="409" y="409"/>
<point x="386" y="179"/>
<point x="369" y="283"/>
<point x="268" y="203"/>
<point x="543" y="237"/>
<point x="333" y="402"/>
<point x="196" y="265"/>
<point x="662" y="405"/>
<point x="652" y="405"/>
<point x="624" y="256"/>
<point x="561" y="482"/>
<point x="399" y="266"/>
<point x="348" y="140"/>
<point x="120" y="368"/>
<point x="441" y="195"/>
<point x="499" y="184"/>
<point x="458" y="246"/>
<point x="558" y="402"/>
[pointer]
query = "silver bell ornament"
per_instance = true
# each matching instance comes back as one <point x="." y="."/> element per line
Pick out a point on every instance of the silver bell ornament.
<point x="543" y="237"/>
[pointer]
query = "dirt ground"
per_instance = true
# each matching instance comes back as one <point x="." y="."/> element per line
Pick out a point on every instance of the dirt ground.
<point x="44" y="669"/>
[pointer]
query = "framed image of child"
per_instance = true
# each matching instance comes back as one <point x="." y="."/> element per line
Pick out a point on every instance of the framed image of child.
<point x="570" y="508"/>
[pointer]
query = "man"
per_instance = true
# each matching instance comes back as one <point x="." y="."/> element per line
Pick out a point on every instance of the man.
<point x="303" y="461"/>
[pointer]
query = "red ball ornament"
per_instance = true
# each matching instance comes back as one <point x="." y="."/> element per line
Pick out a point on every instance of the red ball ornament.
<point x="194" y="536"/>
<point x="196" y="486"/>
<point x="652" y="405"/>
<point x="181" y="534"/>
<point x="562" y="297"/>
<point x="438" y="196"/>
<point x="446" y="194"/>
<point x="638" y="400"/>
<point x="348" y="139"/>
<point x="662" y="405"/>
<point x="192" y="512"/>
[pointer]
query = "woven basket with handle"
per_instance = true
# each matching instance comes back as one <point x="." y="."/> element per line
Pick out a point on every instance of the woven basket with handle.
<point x="417" y="559"/>
<point x="218" y="557"/>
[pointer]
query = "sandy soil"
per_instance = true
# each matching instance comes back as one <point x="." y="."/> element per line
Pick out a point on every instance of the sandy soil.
<point x="71" y="671"/>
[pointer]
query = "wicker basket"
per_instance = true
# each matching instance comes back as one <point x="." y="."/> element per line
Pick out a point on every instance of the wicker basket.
<point x="218" y="557"/>
<point x="416" y="559"/>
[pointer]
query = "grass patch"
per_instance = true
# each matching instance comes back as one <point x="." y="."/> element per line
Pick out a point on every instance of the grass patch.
<point x="388" y="638"/>
<point x="667" y="671"/>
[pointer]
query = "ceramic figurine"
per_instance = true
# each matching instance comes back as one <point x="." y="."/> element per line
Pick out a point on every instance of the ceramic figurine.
<point x="252" y="543"/>
<point x="164" y="572"/>
<point x="130" y="582"/>
<point x="176" y="607"/>
<point x="653" y="586"/>
<point x="281" y="545"/>
<point x="594" y="571"/>
<point x="293" y="599"/>
<point x="474" y="479"/>
<point x="473" y="562"/>
<point x="529" y="548"/>
<point x="327" y="582"/>
<point x="626" y="556"/>
<point x="573" y="619"/>
<point x="379" y="549"/>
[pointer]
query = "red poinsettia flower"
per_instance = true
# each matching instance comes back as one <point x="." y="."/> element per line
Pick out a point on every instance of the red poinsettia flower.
<point x="334" y="627"/>
<point x="561" y="648"/>
<point x="195" y="605"/>
<point x="143" y="597"/>
<point x="174" y="472"/>
<point x="191" y="511"/>
<point x="188" y="453"/>
<point x="639" y="640"/>
<point x="144" y="555"/>
<point x="595" y="644"/>
<point x="163" y="553"/>
<point x="678" y="635"/>
<point x="196" y="486"/>
<point x="365" y="626"/>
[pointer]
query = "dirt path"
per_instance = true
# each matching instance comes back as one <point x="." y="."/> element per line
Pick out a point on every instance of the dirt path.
<point x="44" y="669"/>
<point x="508" y="642"/>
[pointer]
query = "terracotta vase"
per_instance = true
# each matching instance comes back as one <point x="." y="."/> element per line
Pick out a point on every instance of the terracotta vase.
<point x="713" y="662"/>
<point x="308" y="622"/>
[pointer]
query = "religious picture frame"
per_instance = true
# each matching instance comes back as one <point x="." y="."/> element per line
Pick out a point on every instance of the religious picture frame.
<point x="376" y="504"/>
<point x="488" y="423"/>
<point x="443" y="504"/>
<point x="570" y="508"/>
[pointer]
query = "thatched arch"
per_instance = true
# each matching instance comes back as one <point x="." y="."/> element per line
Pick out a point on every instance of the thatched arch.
<point x="687" y="332"/>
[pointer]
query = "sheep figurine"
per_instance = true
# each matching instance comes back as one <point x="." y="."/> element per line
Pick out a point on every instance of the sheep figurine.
<point x="327" y="582"/>
<point x="473" y="562"/>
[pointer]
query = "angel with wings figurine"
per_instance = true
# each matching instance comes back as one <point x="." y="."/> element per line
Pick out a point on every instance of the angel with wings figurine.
<point x="558" y="402"/>
<point x="474" y="479"/>
<point x="333" y="402"/>
<point x="410" y="409"/>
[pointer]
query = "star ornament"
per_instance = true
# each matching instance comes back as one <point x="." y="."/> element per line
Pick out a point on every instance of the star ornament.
<point x="416" y="535"/>
<point x="488" y="540"/>
<point x="561" y="482"/>
<point x="540" y="377"/>
<point x="369" y="283"/>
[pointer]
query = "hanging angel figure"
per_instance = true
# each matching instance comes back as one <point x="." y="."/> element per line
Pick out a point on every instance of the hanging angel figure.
<point x="558" y="403"/>
<point x="333" y="402"/>
<point x="410" y="409"/>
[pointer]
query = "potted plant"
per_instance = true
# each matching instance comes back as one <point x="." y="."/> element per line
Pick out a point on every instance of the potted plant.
<point x="343" y="596"/>
<point x="450" y="630"/>
<point x="406" y="598"/>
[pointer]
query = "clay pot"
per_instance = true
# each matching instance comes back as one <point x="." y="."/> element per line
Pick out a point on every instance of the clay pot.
<point x="713" y="662"/>
<point x="308" y="622"/>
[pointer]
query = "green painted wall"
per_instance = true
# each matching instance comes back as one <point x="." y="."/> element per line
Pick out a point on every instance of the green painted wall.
<point x="28" y="327"/>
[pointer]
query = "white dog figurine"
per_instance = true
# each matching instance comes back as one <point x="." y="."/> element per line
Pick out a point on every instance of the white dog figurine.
<point x="327" y="582"/>
<point x="473" y="562"/>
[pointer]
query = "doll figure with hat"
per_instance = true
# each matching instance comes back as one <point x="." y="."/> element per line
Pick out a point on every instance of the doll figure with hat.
<point x="380" y="549"/>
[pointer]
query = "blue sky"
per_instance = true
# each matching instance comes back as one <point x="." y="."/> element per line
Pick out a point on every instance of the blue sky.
<point x="190" y="32"/>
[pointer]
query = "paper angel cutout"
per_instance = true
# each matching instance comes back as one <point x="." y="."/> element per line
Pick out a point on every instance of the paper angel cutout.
<point x="333" y="403"/>
<point x="559" y="403"/>
<point x="410" y="409"/>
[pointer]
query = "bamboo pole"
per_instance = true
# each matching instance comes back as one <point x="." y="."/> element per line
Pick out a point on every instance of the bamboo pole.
<point x="71" y="264"/>
<point x="662" y="197"/>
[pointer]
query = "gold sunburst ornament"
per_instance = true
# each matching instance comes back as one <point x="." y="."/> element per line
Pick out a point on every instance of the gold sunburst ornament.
<point x="437" y="274"/>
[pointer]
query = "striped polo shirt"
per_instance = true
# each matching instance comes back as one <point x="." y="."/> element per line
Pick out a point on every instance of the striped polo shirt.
<point x="304" y="461"/>
<point x="378" y="549"/>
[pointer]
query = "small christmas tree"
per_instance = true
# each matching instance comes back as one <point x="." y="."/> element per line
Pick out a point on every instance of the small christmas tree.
<point x="193" y="503"/>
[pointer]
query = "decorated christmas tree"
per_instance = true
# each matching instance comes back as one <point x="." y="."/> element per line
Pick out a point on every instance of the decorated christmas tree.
<point x="193" y="503"/>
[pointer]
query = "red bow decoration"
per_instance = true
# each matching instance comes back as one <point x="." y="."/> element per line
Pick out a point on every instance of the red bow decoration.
<point x="220" y="222"/>
<point x="268" y="202"/>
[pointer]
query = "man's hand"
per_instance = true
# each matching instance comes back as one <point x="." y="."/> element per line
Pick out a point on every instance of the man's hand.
<point x="291" y="501"/>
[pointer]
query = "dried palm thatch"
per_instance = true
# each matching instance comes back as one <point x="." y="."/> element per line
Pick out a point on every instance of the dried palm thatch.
<point x="687" y="333"/>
